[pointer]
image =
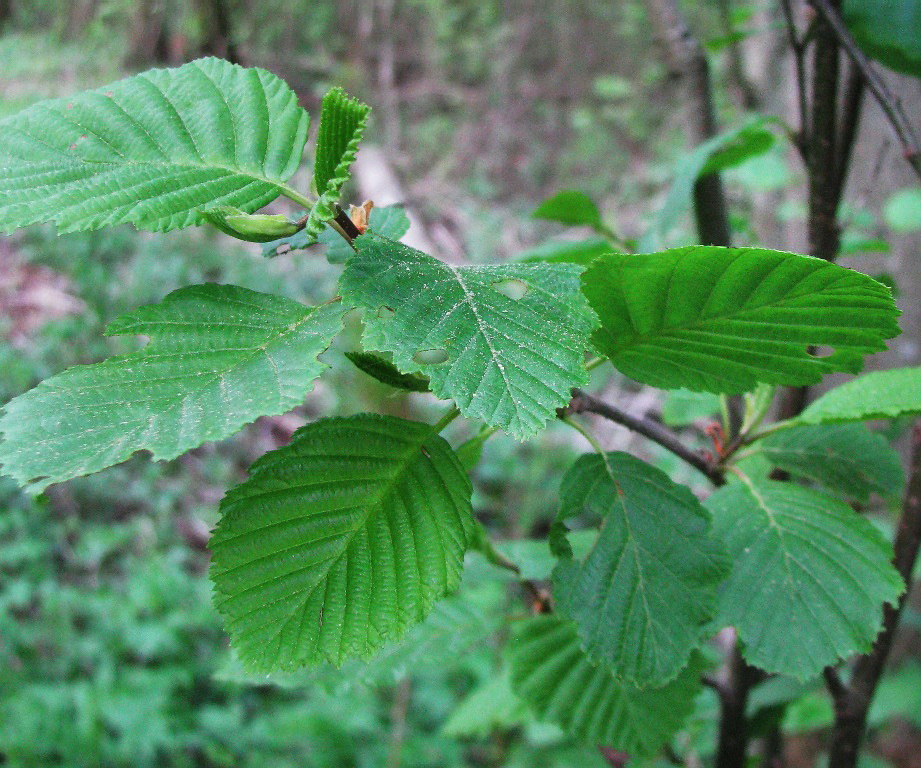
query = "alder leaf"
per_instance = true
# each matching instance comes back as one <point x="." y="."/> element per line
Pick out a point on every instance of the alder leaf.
<point x="846" y="458"/>
<point x="152" y="150"/>
<point x="387" y="373"/>
<point x="342" y="124"/>
<point x="340" y="541"/>
<point x="552" y="673"/>
<point x="876" y="395"/>
<point x="219" y="357"/>
<point x="507" y="343"/>
<point x="641" y="597"/>
<point x="809" y="576"/>
<point x="726" y="319"/>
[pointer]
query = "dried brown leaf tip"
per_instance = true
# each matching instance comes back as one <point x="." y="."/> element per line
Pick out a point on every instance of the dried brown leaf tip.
<point x="360" y="214"/>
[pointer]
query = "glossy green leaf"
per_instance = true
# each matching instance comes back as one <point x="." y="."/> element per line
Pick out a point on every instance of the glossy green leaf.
<point x="509" y="362"/>
<point x="572" y="207"/>
<point x="642" y="595"/>
<point x="252" y="227"/>
<point x="152" y="150"/>
<point x="888" y="31"/>
<point x="809" y="577"/>
<point x="876" y="395"/>
<point x="340" y="541"/>
<point x="552" y="673"/>
<point x="725" y="319"/>
<point x="848" y="459"/>
<point x="219" y="357"/>
<point x="387" y="373"/>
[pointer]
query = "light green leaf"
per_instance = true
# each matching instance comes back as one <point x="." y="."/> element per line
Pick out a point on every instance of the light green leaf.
<point x="847" y="459"/>
<point x="509" y="361"/>
<point x="340" y="541"/>
<point x="490" y="707"/>
<point x="805" y="567"/>
<point x="387" y="373"/>
<point x="682" y="407"/>
<point x="582" y="252"/>
<point x="642" y="595"/>
<point x="903" y="210"/>
<point x="563" y="686"/>
<point x="219" y="357"/>
<point x="152" y="150"/>
<point x="727" y="150"/>
<point x="252" y="227"/>
<point x="570" y="206"/>
<point x="876" y="395"/>
<point x="726" y="319"/>
<point x="342" y="124"/>
<point x="888" y="31"/>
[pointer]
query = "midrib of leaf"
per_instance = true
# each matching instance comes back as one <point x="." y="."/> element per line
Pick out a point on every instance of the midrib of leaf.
<point x="322" y="567"/>
<point x="739" y="315"/>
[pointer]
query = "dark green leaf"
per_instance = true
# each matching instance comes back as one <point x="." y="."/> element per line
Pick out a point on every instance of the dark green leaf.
<point x="642" y="595"/>
<point x="725" y="319"/>
<point x="340" y="541"/>
<point x="387" y="373"/>
<point x="888" y="30"/>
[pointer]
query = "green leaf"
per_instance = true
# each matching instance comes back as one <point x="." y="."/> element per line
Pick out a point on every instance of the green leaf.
<point x="340" y="541"/>
<point x="682" y="407"/>
<point x="390" y="221"/>
<point x="903" y="211"/>
<point x="642" y="595"/>
<point x="219" y="357"/>
<point x="889" y="31"/>
<point x="727" y="150"/>
<point x="342" y="124"/>
<point x="387" y="373"/>
<point x="725" y="319"/>
<point x="805" y="567"/>
<point x="876" y="395"/>
<point x="152" y="150"/>
<point x="507" y="343"/>
<point x="252" y="227"/>
<point x="490" y="707"/>
<point x="572" y="207"/>
<point x="563" y="686"/>
<point x="582" y="252"/>
<point x="846" y="458"/>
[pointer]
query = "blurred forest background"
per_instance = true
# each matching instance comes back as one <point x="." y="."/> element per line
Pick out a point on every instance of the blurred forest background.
<point x="110" y="651"/>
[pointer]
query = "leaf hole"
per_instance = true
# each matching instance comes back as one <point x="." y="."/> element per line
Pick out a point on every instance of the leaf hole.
<point x="513" y="288"/>
<point x="430" y="356"/>
<point x="820" y="352"/>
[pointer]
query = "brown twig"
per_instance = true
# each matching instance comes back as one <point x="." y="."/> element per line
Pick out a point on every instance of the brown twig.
<point x="884" y="97"/>
<point x="582" y="402"/>
<point x="798" y="46"/>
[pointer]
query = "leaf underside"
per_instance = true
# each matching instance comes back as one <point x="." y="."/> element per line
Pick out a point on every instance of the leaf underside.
<point x="220" y="356"/>
<point x="847" y="459"/>
<point x="562" y="685"/>
<point x="510" y="360"/>
<point x="644" y="592"/>
<point x="875" y="395"/>
<point x="152" y="149"/>
<point x="809" y="577"/>
<point x="340" y="541"/>
<point x="725" y="319"/>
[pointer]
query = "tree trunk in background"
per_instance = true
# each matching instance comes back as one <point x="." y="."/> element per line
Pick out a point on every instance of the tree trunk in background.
<point x="150" y="43"/>
<point x="79" y="16"/>
<point x="217" y="31"/>
<point x="6" y="12"/>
